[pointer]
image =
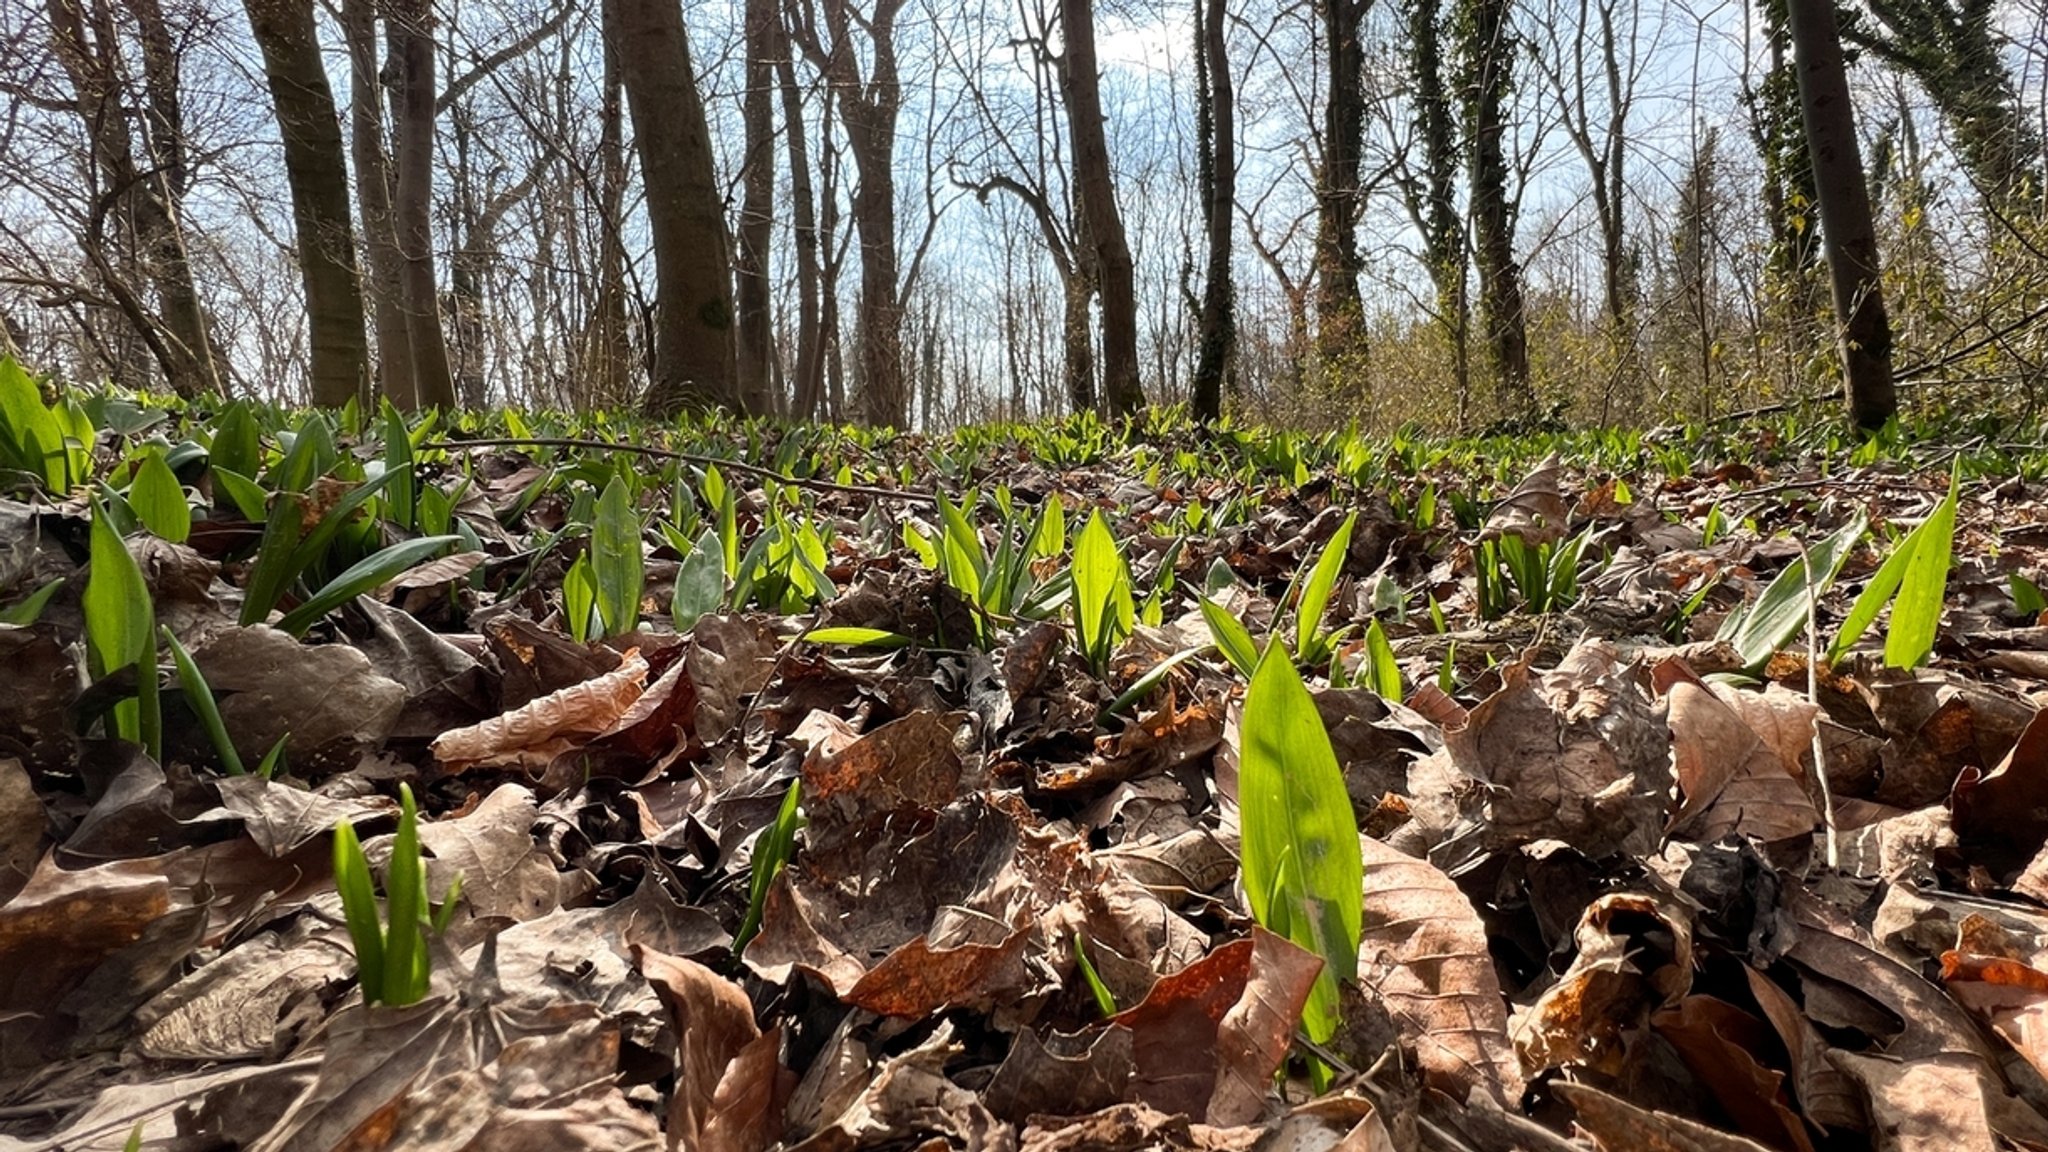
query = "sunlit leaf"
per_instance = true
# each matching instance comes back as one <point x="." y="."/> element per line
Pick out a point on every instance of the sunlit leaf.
<point x="1379" y="655"/>
<point x="1916" y="614"/>
<point x="1103" y="610"/>
<point x="369" y="573"/>
<point x="1231" y="636"/>
<point x="120" y="631"/>
<point x="1303" y="870"/>
<point x="700" y="582"/>
<point x="159" y="500"/>
<point x="1780" y="613"/>
<point x="616" y="562"/>
<point x="1315" y="594"/>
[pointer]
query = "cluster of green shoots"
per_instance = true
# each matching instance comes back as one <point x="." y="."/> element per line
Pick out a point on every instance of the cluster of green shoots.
<point x="1913" y="579"/>
<point x="393" y="962"/>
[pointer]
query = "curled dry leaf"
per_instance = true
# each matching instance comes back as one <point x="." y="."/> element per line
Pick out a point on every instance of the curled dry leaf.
<point x="1634" y="956"/>
<point x="908" y="1097"/>
<point x="1825" y="1094"/>
<point x="2004" y="814"/>
<point x="1424" y="955"/>
<point x="2003" y="983"/>
<point x="539" y="729"/>
<point x="1720" y="1044"/>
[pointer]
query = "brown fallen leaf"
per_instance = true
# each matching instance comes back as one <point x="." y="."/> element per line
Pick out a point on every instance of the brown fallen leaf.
<point x="1536" y="510"/>
<point x="1575" y="754"/>
<point x="918" y="979"/>
<point x="1424" y="955"/>
<point x="550" y="1092"/>
<point x="375" y="1058"/>
<point x="504" y="874"/>
<point x="24" y="828"/>
<point x="535" y="733"/>
<point x="2002" y="983"/>
<point x="909" y="762"/>
<point x="1634" y="956"/>
<point x="281" y="819"/>
<point x="43" y="678"/>
<point x="746" y="1106"/>
<point x="1065" y="1075"/>
<point x="327" y="698"/>
<point x="1720" y="1044"/>
<point x="1132" y="1128"/>
<point x="910" y="1097"/>
<point x="1158" y="741"/>
<point x="433" y="572"/>
<point x="714" y="1027"/>
<point x="1823" y="1091"/>
<point x="1620" y="1126"/>
<point x="249" y="1003"/>
<point x="1208" y="1038"/>
<point x="1876" y="994"/>
<point x="1737" y="756"/>
<point x="2001" y="817"/>
<point x="1930" y="1104"/>
<point x="57" y="930"/>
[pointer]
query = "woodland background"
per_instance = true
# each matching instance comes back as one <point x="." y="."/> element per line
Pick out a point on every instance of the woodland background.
<point x="920" y="213"/>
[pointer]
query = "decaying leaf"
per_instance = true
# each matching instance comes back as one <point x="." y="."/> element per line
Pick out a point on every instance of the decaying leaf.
<point x="1635" y="956"/>
<point x="1738" y="758"/>
<point x="1424" y="955"/>
<point x="1207" y="1039"/>
<point x="1574" y="754"/>
<point x="1620" y="1126"/>
<point x="538" y="731"/>
<point x="716" y="1106"/>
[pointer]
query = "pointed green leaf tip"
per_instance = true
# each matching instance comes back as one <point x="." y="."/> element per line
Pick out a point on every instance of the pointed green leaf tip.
<point x="1304" y="874"/>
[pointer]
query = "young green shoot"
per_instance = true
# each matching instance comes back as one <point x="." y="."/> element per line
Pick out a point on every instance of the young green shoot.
<point x="392" y="960"/>
<point x="772" y="852"/>
<point x="120" y="632"/>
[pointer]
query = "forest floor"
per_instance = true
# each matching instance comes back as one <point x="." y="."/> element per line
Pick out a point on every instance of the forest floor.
<point x="1635" y="874"/>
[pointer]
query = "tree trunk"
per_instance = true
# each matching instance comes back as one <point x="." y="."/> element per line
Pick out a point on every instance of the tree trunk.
<point x="409" y="32"/>
<point x="869" y="108"/>
<point x="807" y="389"/>
<point x="1217" y="340"/>
<point x="757" y="213"/>
<point x="1340" y="313"/>
<point x="150" y="194"/>
<point x="610" y="352"/>
<point x="694" y="359"/>
<point x="313" y="164"/>
<point x="1115" y="274"/>
<point x="1432" y="193"/>
<point x="381" y="265"/>
<point x="1848" y="239"/>
<point x="1487" y="44"/>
